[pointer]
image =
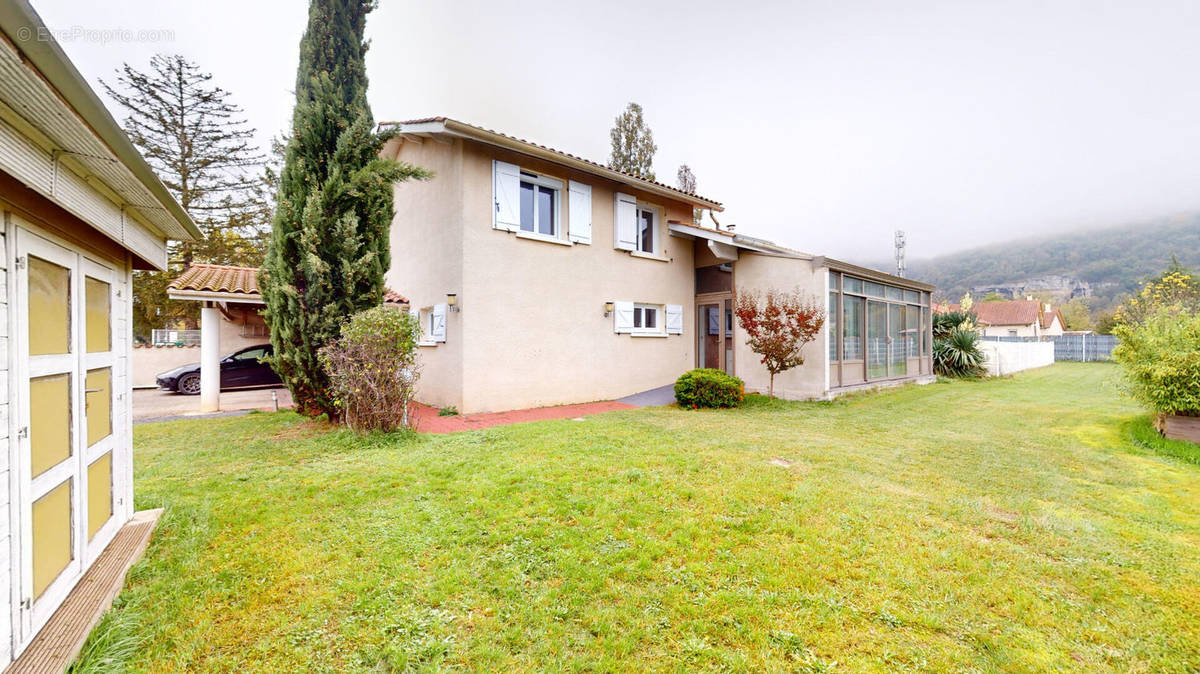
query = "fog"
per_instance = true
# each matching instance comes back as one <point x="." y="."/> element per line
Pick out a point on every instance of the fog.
<point x="822" y="125"/>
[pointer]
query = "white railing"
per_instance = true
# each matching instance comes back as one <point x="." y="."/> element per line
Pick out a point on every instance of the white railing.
<point x="175" y="337"/>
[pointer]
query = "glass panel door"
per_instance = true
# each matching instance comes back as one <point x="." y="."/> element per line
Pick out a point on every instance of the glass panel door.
<point x="708" y="335"/>
<point x="877" y="338"/>
<point x="728" y="364"/>
<point x="897" y="348"/>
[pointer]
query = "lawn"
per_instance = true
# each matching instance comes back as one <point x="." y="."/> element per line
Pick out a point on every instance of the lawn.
<point x="1005" y="525"/>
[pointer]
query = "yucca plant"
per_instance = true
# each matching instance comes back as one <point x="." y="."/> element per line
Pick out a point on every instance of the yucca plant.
<point x="957" y="354"/>
<point x="948" y="321"/>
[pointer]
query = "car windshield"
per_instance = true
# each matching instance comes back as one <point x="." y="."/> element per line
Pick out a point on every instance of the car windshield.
<point x="250" y="354"/>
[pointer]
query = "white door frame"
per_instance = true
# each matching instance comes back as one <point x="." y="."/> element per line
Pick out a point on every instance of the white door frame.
<point x="30" y="614"/>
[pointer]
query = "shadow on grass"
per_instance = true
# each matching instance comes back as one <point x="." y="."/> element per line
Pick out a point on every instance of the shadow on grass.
<point x="1141" y="432"/>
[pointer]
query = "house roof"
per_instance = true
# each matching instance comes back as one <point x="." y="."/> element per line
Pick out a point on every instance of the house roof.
<point x="1007" y="312"/>
<point x="72" y="123"/>
<point x="446" y="125"/>
<point x="237" y="284"/>
<point x="1049" y="316"/>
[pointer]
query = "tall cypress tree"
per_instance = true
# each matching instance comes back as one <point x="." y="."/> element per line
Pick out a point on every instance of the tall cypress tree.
<point x="329" y="246"/>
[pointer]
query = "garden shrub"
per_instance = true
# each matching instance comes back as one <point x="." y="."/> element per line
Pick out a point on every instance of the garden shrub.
<point x="1161" y="361"/>
<point x="709" y="387"/>
<point x="957" y="354"/>
<point x="372" y="368"/>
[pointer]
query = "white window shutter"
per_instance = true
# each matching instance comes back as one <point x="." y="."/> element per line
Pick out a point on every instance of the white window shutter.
<point x="623" y="317"/>
<point x="625" y="225"/>
<point x="506" y="192"/>
<point x="438" y="329"/>
<point x="674" y="319"/>
<point x="580" y="208"/>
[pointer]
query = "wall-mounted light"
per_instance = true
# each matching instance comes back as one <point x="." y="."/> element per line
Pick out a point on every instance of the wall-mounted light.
<point x="452" y="301"/>
<point x="608" y="309"/>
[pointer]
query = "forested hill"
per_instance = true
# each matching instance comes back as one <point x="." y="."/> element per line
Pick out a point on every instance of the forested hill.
<point x="1115" y="261"/>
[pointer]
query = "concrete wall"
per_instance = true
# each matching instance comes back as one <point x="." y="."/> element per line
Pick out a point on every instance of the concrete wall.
<point x="759" y="271"/>
<point x="150" y="361"/>
<point x="1003" y="358"/>
<point x="427" y="258"/>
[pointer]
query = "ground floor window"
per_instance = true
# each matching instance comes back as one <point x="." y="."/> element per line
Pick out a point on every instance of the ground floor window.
<point x="646" y="318"/>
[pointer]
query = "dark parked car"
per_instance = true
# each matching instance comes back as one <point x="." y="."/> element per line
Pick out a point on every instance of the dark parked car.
<point x="238" y="369"/>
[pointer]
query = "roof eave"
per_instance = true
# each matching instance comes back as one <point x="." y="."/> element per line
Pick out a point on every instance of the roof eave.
<point x="214" y="296"/>
<point x="456" y="128"/>
<point x="52" y="64"/>
<point x="875" y="274"/>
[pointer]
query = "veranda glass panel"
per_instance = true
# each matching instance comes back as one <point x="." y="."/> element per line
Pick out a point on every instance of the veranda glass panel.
<point x="99" y="500"/>
<point x="852" y="317"/>
<point x="99" y="404"/>
<point x="49" y="422"/>
<point x="49" y="308"/>
<point x="877" y="351"/>
<point x="98" y="301"/>
<point x="852" y="285"/>
<point x="52" y="547"/>
<point x="899" y="357"/>
<point x="832" y="313"/>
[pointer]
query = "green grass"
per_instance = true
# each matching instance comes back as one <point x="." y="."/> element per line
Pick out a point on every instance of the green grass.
<point x="1001" y="525"/>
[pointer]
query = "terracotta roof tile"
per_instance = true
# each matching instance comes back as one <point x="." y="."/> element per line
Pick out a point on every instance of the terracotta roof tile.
<point x="218" y="278"/>
<point x="426" y="120"/>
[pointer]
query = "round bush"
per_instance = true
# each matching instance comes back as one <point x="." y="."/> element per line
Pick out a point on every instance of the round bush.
<point x="708" y="387"/>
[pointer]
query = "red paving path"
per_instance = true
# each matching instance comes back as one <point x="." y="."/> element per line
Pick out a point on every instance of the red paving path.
<point x="429" y="422"/>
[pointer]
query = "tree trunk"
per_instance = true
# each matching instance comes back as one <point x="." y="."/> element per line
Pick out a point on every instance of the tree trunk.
<point x="771" y="386"/>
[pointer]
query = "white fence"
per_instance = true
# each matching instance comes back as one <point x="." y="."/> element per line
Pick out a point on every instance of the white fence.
<point x="175" y="337"/>
<point x="1003" y="358"/>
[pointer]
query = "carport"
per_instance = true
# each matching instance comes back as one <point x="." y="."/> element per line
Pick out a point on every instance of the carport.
<point x="222" y="290"/>
<point x="226" y="293"/>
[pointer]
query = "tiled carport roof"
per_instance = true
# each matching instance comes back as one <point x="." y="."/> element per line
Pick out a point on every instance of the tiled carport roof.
<point x="243" y="281"/>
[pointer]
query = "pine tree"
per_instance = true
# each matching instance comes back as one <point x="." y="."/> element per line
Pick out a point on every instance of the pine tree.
<point x="194" y="138"/>
<point x="633" y="145"/>
<point x="329" y="246"/>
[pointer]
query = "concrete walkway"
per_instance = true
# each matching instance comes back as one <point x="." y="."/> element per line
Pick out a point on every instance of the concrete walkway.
<point x="156" y="405"/>
<point x="663" y="395"/>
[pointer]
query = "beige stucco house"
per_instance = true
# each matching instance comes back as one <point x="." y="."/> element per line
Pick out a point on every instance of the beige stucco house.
<point x="80" y="210"/>
<point x="542" y="278"/>
<point x="1016" y="318"/>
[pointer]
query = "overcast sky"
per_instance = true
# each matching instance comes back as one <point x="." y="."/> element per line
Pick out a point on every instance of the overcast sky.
<point x="822" y="125"/>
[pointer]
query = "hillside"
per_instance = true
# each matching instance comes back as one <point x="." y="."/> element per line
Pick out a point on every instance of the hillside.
<point x="1114" y="261"/>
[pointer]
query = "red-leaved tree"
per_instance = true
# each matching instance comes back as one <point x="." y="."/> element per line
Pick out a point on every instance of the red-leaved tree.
<point x="778" y="324"/>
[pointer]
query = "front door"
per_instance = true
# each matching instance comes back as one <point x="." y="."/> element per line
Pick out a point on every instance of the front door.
<point x="65" y="404"/>
<point x="714" y="334"/>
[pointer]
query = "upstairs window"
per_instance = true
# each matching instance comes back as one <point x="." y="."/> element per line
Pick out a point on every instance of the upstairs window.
<point x="539" y="204"/>
<point x="646" y="222"/>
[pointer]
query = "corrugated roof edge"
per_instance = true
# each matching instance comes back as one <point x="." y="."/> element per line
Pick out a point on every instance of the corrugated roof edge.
<point x="52" y="63"/>
<point x="489" y="135"/>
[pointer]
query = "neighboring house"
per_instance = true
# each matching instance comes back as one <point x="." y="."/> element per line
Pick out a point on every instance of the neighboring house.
<point x="542" y="278"/>
<point x="79" y="211"/>
<point x="1016" y="318"/>
<point x="231" y="318"/>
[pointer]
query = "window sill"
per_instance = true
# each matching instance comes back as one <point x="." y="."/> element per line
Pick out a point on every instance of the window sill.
<point x="648" y="334"/>
<point x="648" y="256"/>
<point x="532" y="236"/>
<point x="428" y="343"/>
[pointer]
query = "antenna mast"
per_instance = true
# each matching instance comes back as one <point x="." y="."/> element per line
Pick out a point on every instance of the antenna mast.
<point x="900" y="252"/>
